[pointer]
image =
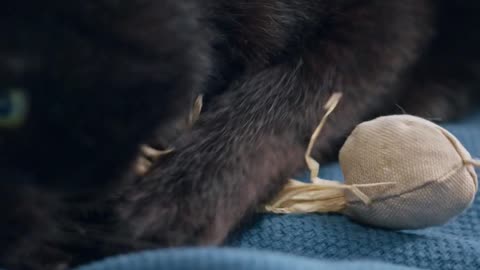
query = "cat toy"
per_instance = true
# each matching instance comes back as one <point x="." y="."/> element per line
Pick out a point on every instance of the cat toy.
<point x="401" y="172"/>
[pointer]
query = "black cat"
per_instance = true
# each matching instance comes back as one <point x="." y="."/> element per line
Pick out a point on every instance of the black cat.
<point x="84" y="84"/>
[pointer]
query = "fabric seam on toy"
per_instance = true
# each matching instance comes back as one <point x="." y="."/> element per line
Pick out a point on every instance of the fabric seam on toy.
<point x="464" y="156"/>
<point x="453" y="171"/>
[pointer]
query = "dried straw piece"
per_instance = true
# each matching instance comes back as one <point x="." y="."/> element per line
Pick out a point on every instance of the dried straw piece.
<point x="197" y="109"/>
<point x="473" y="162"/>
<point x="320" y="196"/>
<point x="142" y="165"/>
<point x="152" y="153"/>
<point x="330" y="106"/>
<point x="149" y="154"/>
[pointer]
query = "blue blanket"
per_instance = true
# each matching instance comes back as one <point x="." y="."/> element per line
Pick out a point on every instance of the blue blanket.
<point x="331" y="241"/>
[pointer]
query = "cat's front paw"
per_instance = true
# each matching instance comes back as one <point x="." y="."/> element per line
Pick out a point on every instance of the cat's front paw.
<point x="174" y="205"/>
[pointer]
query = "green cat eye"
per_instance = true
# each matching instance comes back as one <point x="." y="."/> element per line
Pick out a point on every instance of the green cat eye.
<point x="13" y="108"/>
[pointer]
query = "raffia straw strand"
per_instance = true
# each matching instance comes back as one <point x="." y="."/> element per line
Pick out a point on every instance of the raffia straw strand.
<point x="330" y="198"/>
<point x="330" y="107"/>
<point x="153" y="153"/>
<point x="149" y="154"/>
<point x="142" y="165"/>
<point x="336" y="204"/>
<point x="197" y="109"/>
<point x="327" y="196"/>
<point x="474" y="162"/>
<point x="296" y="191"/>
<point x="355" y="189"/>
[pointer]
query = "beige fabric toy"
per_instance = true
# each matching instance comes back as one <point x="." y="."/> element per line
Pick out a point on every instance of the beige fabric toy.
<point x="401" y="172"/>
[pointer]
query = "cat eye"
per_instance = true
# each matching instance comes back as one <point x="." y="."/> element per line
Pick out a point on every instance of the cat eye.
<point x="13" y="108"/>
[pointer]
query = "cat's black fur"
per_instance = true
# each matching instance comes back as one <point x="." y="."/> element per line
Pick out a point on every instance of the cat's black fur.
<point x="105" y="76"/>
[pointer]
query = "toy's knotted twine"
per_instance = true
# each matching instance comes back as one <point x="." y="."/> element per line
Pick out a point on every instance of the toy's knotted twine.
<point x="323" y="195"/>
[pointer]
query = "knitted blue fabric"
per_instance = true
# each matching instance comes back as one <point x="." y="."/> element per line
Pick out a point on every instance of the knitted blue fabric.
<point x="331" y="241"/>
<point x="227" y="259"/>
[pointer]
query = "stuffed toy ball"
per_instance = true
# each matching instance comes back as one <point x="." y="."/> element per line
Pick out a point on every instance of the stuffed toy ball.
<point x="401" y="172"/>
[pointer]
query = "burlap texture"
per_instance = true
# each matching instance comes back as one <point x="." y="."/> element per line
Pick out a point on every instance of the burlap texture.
<point x="426" y="162"/>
